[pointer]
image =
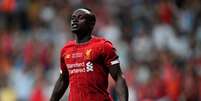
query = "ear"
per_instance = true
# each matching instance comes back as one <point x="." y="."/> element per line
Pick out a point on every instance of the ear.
<point x="92" y="20"/>
<point x="91" y="24"/>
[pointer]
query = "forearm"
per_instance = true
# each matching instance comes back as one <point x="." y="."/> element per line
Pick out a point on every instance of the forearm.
<point x="122" y="89"/>
<point x="60" y="88"/>
<point x="121" y="86"/>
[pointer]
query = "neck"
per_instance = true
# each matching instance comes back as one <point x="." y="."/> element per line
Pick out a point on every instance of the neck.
<point x="83" y="38"/>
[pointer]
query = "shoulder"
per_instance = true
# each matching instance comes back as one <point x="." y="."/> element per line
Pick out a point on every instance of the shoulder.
<point x="102" y="40"/>
<point x="103" y="44"/>
<point x="68" y="45"/>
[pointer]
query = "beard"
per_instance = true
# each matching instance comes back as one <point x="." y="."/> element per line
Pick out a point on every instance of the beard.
<point x="81" y="30"/>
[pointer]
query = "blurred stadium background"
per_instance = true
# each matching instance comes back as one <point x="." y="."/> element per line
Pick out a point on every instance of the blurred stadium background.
<point x="158" y="42"/>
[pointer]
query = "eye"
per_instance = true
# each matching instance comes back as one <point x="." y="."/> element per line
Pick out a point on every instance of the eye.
<point x="81" y="17"/>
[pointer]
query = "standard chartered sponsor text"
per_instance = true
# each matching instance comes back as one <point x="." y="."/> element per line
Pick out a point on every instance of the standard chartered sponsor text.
<point x="79" y="70"/>
<point x="75" y="65"/>
<point x="80" y="67"/>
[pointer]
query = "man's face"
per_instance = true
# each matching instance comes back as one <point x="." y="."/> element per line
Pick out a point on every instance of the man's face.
<point x="80" y="21"/>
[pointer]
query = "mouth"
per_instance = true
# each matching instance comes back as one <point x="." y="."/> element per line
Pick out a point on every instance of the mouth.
<point x="74" y="25"/>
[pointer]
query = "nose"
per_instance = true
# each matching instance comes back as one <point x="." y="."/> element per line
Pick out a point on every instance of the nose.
<point x="74" y="20"/>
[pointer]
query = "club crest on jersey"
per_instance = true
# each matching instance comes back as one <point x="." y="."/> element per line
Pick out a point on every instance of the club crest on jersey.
<point x="88" y="54"/>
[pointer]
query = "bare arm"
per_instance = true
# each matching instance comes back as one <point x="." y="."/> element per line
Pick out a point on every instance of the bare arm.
<point x="60" y="87"/>
<point x="121" y="86"/>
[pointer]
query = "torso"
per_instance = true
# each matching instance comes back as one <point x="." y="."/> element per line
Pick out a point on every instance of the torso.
<point x="88" y="75"/>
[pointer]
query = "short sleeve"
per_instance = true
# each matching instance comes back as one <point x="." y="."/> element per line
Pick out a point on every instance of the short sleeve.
<point x="109" y="54"/>
<point x="63" y="68"/>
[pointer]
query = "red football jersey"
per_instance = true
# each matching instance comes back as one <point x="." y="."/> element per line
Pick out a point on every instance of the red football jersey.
<point x="87" y="66"/>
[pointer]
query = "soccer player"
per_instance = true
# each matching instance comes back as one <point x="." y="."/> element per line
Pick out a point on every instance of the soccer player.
<point x="86" y="63"/>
